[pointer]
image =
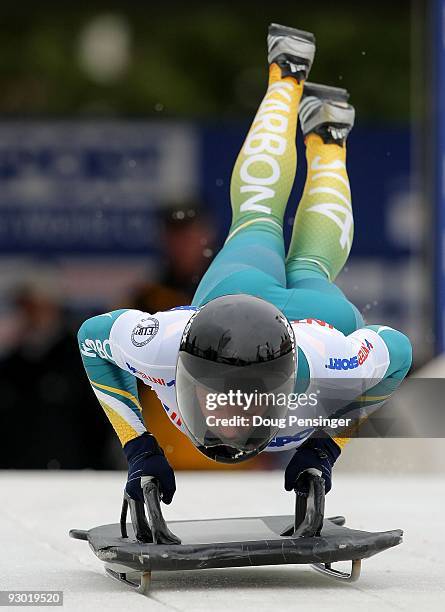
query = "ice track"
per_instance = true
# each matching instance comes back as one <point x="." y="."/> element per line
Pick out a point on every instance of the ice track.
<point x="38" y="509"/>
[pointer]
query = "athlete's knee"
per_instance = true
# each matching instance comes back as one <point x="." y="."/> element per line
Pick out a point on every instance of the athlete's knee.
<point x="400" y="352"/>
<point x="347" y="317"/>
<point x="358" y="318"/>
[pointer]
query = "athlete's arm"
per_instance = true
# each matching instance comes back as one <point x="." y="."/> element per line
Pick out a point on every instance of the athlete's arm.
<point x="398" y="363"/>
<point x="379" y="358"/>
<point x="116" y="390"/>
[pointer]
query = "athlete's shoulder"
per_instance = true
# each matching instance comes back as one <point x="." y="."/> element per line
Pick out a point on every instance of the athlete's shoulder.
<point x="149" y="338"/>
<point x="330" y="353"/>
<point x="319" y="341"/>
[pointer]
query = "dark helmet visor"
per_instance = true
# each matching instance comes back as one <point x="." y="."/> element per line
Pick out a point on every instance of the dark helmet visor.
<point x="232" y="412"/>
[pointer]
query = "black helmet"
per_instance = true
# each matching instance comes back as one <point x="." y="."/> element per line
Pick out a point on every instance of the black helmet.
<point x="237" y="355"/>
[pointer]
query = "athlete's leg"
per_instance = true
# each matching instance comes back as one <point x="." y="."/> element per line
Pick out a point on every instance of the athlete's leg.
<point x="253" y="259"/>
<point x="323" y="228"/>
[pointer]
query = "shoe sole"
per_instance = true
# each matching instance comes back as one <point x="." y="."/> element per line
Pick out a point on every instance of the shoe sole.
<point x="325" y="92"/>
<point x="275" y="29"/>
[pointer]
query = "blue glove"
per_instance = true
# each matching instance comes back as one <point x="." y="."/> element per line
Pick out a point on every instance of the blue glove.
<point x="318" y="453"/>
<point x="146" y="458"/>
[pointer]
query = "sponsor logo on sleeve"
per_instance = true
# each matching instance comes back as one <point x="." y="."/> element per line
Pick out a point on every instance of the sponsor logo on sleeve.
<point x="350" y="363"/>
<point x="96" y="348"/>
<point x="151" y="379"/>
<point x="145" y="331"/>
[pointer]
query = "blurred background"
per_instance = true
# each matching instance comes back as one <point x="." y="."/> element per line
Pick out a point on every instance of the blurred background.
<point x="119" y="126"/>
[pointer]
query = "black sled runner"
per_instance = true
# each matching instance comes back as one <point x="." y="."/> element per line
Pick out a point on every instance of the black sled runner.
<point x="132" y="552"/>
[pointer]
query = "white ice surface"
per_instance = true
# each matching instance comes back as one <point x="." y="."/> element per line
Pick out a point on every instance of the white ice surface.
<point x="38" y="509"/>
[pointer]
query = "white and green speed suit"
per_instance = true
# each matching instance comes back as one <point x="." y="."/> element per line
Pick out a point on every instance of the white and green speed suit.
<point x="368" y="361"/>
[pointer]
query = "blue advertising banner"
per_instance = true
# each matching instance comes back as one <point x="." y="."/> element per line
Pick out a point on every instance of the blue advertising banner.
<point x="91" y="187"/>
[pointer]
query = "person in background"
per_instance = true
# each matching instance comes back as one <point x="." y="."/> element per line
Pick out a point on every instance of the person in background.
<point x="189" y="239"/>
<point x="46" y="399"/>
